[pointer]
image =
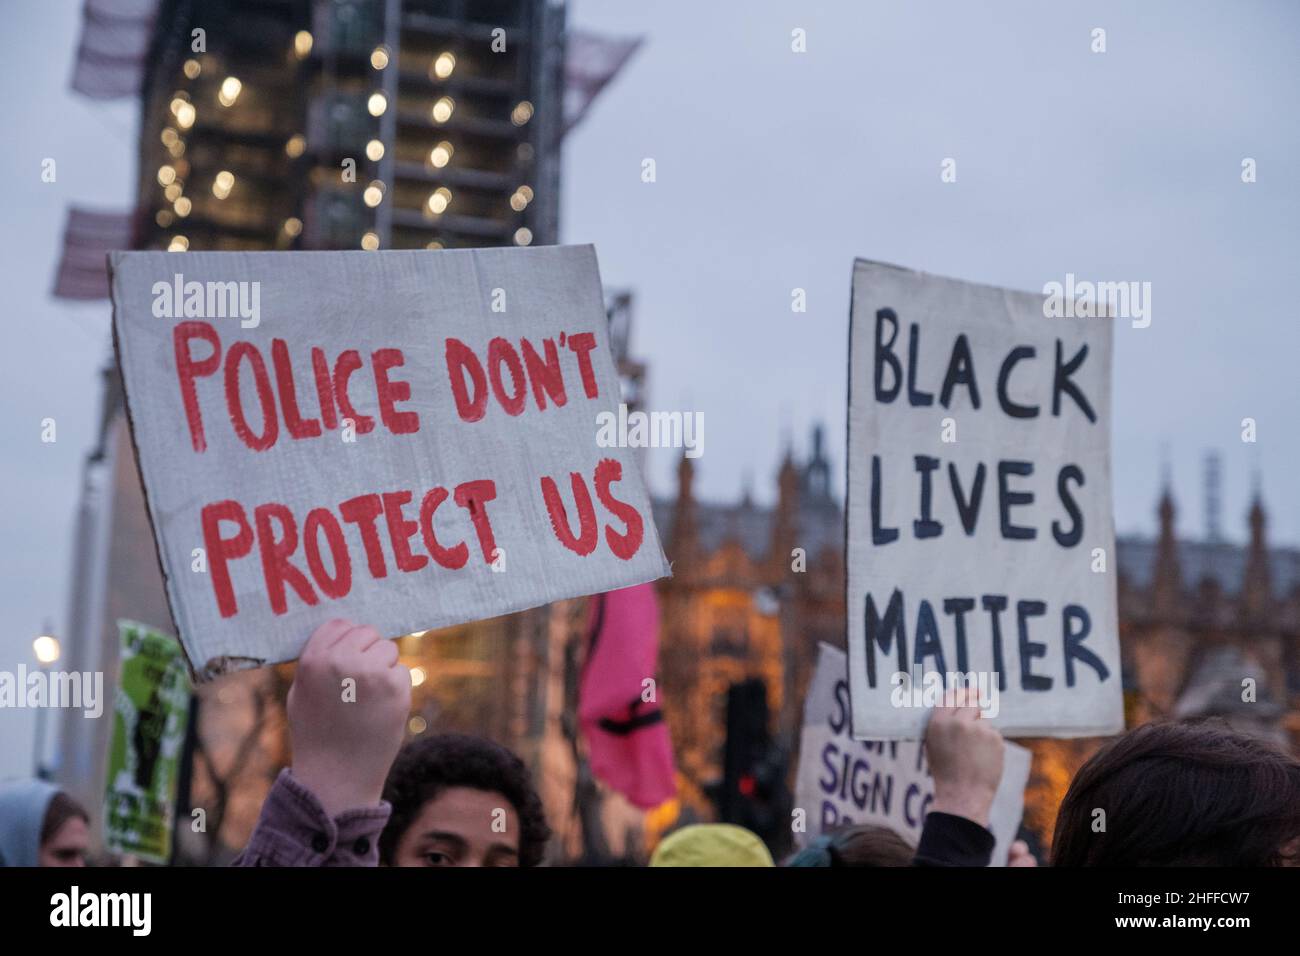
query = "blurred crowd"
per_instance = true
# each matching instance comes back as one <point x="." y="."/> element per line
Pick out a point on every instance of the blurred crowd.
<point x="1163" y="794"/>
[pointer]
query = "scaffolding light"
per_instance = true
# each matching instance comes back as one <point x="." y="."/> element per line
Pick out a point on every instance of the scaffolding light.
<point x="442" y="66"/>
<point x="229" y="92"/>
<point x="438" y="202"/>
<point x="441" y="154"/>
<point x="223" y="184"/>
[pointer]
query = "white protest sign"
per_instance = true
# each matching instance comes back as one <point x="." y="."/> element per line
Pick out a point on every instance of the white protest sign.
<point x="406" y="439"/>
<point x="980" y="532"/>
<point x="842" y="781"/>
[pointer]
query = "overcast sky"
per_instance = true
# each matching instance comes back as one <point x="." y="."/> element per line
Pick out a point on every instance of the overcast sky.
<point x="774" y="170"/>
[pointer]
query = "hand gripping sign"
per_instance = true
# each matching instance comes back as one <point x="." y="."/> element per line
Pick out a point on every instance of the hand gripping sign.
<point x="842" y="781"/>
<point x="402" y="438"/>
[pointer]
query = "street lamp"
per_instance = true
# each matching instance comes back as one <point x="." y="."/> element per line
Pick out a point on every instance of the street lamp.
<point x="46" y="648"/>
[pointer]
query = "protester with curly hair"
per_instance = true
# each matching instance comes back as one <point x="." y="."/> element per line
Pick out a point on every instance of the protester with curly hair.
<point x="460" y="800"/>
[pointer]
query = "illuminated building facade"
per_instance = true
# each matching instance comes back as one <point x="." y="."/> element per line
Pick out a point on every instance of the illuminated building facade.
<point x="352" y="124"/>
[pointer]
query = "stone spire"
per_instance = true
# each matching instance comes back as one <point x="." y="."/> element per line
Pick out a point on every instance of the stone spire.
<point x="815" y="486"/>
<point x="1256" y="584"/>
<point x="785" y="519"/>
<point x="684" y="537"/>
<point x="1167" y="576"/>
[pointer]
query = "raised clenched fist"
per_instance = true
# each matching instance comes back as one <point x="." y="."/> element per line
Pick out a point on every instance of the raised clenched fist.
<point x="347" y="712"/>
<point x="965" y="753"/>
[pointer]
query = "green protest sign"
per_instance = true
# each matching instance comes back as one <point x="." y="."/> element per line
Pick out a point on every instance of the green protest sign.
<point x="150" y="714"/>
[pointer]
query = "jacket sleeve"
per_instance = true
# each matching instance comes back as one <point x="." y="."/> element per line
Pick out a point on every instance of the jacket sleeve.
<point x="294" y="830"/>
<point x="950" y="840"/>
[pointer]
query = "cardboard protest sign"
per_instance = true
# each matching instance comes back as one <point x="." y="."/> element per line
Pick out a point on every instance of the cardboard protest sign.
<point x="149" y="720"/>
<point x="406" y="439"/>
<point x="980" y="532"/>
<point x="842" y="781"/>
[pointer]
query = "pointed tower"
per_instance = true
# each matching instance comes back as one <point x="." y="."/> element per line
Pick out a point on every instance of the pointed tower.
<point x="684" y="537"/>
<point x="1256" y="584"/>
<point x="815" y="485"/>
<point x="1167" y="577"/>
<point x="785" y="519"/>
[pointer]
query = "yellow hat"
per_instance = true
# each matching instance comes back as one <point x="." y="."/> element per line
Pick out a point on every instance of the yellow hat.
<point x="711" y="844"/>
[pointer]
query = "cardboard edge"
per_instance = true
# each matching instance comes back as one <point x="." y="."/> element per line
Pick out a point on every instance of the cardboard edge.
<point x="589" y="250"/>
<point x="848" y="493"/>
<point x="923" y="274"/>
<point x="113" y="259"/>
<point x="1010" y="734"/>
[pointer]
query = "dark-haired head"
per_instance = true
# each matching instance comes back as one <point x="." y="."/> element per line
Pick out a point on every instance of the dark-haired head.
<point x="1181" y="794"/>
<point x="856" y="845"/>
<point x="460" y="800"/>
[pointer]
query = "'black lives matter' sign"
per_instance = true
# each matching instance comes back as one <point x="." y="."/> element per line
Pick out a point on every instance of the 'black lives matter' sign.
<point x="980" y="532"/>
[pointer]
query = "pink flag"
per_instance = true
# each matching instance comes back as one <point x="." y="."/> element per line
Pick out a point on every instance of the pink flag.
<point x="627" y="738"/>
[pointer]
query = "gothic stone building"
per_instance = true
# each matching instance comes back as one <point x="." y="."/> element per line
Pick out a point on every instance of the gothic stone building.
<point x="1196" y="620"/>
